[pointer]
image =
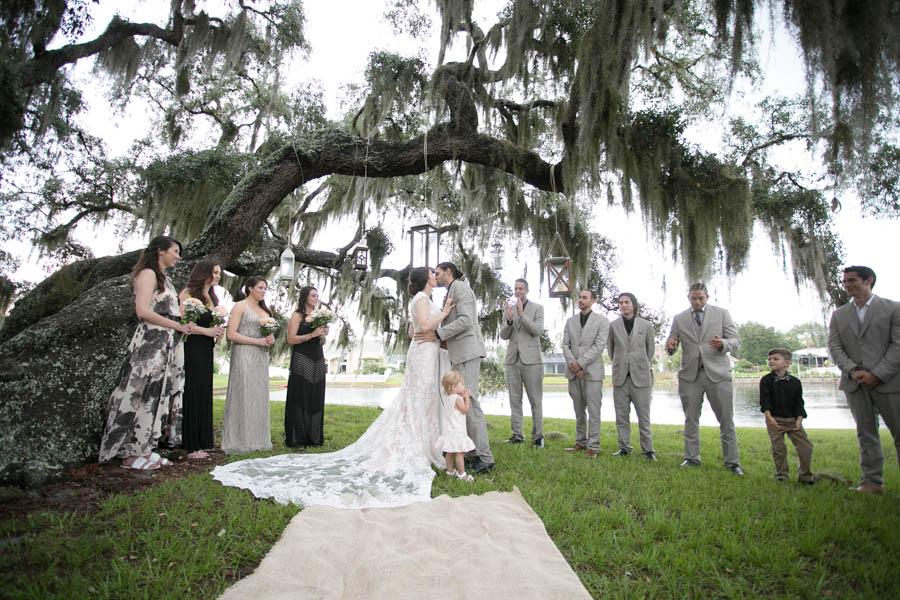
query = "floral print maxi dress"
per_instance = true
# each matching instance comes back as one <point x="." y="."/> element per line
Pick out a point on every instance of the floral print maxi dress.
<point x="146" y="404"/>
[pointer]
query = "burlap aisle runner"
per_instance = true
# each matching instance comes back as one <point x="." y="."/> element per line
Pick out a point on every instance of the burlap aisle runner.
<point x="495" y="541"/>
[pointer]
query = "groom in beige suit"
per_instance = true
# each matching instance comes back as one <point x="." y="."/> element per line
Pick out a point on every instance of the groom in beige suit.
<point x="524" y="363"/>
<point x="461" y="333"/>
<point x="631" y="346"/>
<point x="706" y="334"/>
<point x="584" y="339"/>
<point x="864" y="341"/>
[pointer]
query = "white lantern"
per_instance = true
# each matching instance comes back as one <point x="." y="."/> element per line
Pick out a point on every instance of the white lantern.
<point x="424" y="246"/>
<point x="287" y="264"/>
<point x="497" y="257"/>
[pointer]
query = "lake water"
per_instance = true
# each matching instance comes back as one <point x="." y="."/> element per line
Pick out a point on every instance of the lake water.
<point x="825" y="404"/>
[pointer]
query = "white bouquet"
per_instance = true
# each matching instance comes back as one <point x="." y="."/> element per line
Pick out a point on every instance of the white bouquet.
<point x="193" y="310"/>
<point x="320" y="318"/>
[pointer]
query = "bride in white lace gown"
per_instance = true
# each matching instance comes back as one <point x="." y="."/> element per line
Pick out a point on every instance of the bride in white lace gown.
<point x="390" y="464"/>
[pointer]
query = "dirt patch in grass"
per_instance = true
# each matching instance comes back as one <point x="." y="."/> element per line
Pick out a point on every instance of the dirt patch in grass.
<point x="82" y="488"/>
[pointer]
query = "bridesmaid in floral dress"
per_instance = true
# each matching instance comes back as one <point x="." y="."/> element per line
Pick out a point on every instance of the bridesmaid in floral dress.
<point x="246" y="426"/>
<point x="145" y="405"/>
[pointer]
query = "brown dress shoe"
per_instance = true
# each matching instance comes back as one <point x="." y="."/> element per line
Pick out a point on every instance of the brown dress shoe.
<point x="575" y="448"/>
<point x="591" y="453"/>
<point x="869" y="488"/>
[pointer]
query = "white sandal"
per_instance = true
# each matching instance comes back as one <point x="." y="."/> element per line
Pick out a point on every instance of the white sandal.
<point x="198" y="454"/>
<point x="165" y="462"/>
<point x="465" y="477"/>
<point x="141" y="464"/>
<point x="451" y="473"/>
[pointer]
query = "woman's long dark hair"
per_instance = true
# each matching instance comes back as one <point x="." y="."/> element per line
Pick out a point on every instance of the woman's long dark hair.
<point x="250" y="283"/>
<point x="200" y="274"/>
<point x="301" y="301"/>
<point x="149" y="259"/>
<point x="418" y="279"/>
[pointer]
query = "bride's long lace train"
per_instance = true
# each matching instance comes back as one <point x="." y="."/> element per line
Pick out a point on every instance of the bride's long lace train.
<point x="389" y="465"/>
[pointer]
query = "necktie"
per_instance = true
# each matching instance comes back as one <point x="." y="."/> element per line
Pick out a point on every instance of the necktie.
<point x="697" y="318"/>
<point x="785" y="378"/>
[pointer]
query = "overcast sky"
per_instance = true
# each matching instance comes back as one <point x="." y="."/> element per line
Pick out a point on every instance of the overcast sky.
<point x="343" y="32"/>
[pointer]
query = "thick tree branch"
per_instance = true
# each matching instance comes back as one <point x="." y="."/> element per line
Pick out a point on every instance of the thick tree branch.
<point x="44" y="67"/>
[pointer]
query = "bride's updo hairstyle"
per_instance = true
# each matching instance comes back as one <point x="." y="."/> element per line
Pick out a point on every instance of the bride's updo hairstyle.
<point x="418" y="279"/>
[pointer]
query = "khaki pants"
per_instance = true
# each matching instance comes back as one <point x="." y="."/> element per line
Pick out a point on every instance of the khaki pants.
<point x="779" y="449"/>
<point x="532" y="377"/>
<point x="866" y="406"/>
<point x="719" y="395"/>
<point x="624" y="396"/>
<point x="587" y="396"/>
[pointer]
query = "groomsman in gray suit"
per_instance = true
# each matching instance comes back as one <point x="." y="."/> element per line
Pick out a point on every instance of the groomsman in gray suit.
<point x="584" y="339"/>
<point x="631" y="346"/>
<point x="864" y="341"/>
<point x="706" y="334"/>
<point x="461" y="333"/>
<point x="524" y="363"/>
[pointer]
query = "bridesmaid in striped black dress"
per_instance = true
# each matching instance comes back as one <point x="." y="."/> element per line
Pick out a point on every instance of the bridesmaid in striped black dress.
<point x="305" y="406"/>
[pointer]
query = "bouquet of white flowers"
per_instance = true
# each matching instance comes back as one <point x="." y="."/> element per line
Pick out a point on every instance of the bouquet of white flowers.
<point x="219" y="316"/>
<point x="268" y="326"/>
<point x="193" y="310"/>
<point x="320" y="318"/>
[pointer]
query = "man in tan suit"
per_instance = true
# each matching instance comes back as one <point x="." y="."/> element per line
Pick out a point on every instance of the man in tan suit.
<point x="631" y="346"/>
<point x="524" y="363"/>
<point x="461" y="333"/>
<point x="706" y="334"/>
<point x="864" y="342"/>
<point x="584" y="339"/>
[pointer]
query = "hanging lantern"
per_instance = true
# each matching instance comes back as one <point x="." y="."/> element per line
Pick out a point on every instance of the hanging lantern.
<point x="558" y="272"/>
<point x="424" y="246"/>
<point x="361" y="258"/>
<point x="287" y="265"/>
<point x="497" y="256"/>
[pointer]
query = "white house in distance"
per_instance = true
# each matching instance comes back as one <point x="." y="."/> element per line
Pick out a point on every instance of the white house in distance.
<point x="815" y="360"/>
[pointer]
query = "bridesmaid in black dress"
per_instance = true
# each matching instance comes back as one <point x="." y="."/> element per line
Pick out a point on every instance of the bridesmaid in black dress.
<point x="198" y="360"/>
<point x="305" y="406"/>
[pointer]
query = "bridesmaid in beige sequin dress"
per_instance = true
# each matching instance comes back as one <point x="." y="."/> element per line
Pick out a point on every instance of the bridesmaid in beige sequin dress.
<point x="246" y="425"/>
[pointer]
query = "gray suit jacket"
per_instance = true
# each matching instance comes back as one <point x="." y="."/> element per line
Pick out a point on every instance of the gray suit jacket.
<point x="461" y="329"/>
<point x="631" y="353"/>
<point x="585" y="345"/>
<point x="873" y="345"/>
<point x="524" y="335"/>
<point x="693" y="340"/>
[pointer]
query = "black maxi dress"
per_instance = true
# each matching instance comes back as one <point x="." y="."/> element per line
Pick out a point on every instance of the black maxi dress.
<point x="198" y="389"/>
<point x="305" y="405"/>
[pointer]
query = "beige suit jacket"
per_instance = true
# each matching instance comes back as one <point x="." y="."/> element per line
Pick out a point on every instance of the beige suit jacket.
<point x="524" y="335"/>
<point x="461" y="329"/>
<point x="873" y="345"/>
<point x="631" y="353"/>
<point x="585" y="345"/>
<point x="694" y="343"/>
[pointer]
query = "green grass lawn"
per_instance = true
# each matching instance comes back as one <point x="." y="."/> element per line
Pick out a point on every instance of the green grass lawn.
<point x="629" y="528"/>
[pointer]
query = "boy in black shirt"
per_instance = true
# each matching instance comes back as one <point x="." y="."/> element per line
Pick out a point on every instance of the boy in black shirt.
<point x="781" y="399"/>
